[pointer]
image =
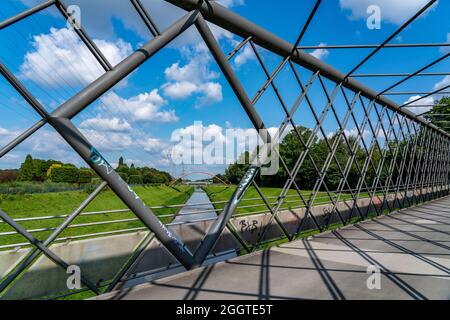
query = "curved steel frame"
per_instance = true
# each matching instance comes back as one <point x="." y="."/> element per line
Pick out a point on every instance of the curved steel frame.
<point x="432" y="166"/>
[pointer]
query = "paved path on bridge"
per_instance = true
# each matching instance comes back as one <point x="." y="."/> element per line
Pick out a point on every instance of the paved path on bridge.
<point x="411" y="247"/>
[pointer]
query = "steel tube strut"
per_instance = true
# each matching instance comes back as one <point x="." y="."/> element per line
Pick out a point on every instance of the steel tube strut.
<point x="217" y="226"/>
<point x="50" y="254"/>
<point x="402" y="27"/>
<point x="75" y="138"/>
<point x="422" y="74"/>
<point x="145" y="17"/>
<point x="36" y="252"/>
<point x="59" y="119"/>
<point x="97" y="88"/>
<point x="22" y="137"/>
<point x="224" y="18"/>
<point x="373" y="46"/>
<point x="79" y="30"/>
<point x="80" y="144"/>
<point x="26" y="14"/>
<point x="231" y="77"/>
<point x="306" y="25"/>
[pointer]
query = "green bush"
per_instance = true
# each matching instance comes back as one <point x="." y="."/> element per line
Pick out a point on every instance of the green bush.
<point x="84" y="176"/>
<point x="124" y="176"/>
<point x="65" y="174"/>
<point x="152" y="176"/>
<point x="35" y="169"/>
<point x="96" y="180"/>
<point x="135" y="179"/>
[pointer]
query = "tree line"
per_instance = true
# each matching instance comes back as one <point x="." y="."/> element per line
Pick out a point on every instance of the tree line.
<point x="291" y="150"/>
<point x="439" y="115"/>
<point x="144" y="175"/>
<point x="38" y="170"/>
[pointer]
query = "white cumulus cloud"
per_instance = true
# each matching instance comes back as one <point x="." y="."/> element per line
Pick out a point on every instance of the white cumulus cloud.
<point x="418" y="110"/>
<point x="320" y="53"/>
<point x="143" y="107"/>
<point x="108" y="141"/>
<point x="106" y="124"/>
<point x="246" y="54"/>
<point x="179" y="90"/>
<point x="193" y="78"/>
<point x="214" y="144"/>
<point x="152" y="145"/>
<point x="393" y="11"/>
<point x="445" y="50"/>
<point x="443" y="83"/>
<point x="62" y="52"/>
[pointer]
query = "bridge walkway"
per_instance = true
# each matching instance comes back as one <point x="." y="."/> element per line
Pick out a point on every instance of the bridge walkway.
<point x="409" y="247"/>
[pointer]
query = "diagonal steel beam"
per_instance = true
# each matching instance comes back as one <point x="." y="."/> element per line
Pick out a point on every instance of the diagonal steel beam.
<point x="36" y="252"/>
<point x="217" y="14"/>
<point x="77" y="103"/>
<point x="26" y="13"/>
<point x="52" y="256"/>
<point x="59" y="119"/>
<point x="400" y="29"/>
<point x="93" y="91"/>
<point x="415" y="73"/>
<point x="217" y="226"/>
<point x="145" y="17"/>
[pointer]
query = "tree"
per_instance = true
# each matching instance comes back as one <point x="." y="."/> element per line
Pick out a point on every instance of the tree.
<point x="439" y="115"/>
<point x="151" y="176"/>
<point x="121" y="162"/>
<point x="219" y="178"/>
<point x="41" y="167"/>
<point x="133" y="171"/>
<point x="124" y="176"/>
<point x="293" y="153"/>
<point x="50" y="169"/>
<point x="36" y="169"/>
<point x="123" y="168"/>
<point x="236" y="171"/>
<point x="137" y="179"/>
<point x="291" y="149"/>
<point x="26" y="169"/>
<point x="40" y="170"/>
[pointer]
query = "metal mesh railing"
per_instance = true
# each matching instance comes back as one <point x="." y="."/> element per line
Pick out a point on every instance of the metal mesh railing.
<point x="400" y="158"/>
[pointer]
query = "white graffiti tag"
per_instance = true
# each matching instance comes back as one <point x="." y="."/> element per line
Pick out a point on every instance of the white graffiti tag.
<point x="134" y="193"/>
<point x="171" y="236"/>
<point x="97" y="159"/>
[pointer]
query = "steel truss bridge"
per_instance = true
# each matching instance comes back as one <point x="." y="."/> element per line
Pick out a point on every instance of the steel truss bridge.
<point x="415" y="154"/>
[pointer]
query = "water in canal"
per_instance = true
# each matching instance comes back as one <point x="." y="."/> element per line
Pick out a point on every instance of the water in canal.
<point x="194" y="207"/>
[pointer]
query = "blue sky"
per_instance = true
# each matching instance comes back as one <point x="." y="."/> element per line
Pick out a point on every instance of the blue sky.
<point x="182" y="84"/>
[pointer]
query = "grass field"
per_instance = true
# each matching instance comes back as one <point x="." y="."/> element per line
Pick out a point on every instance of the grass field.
<point x="252" y="202"/>
<point x="248" y="205"/>
<point x="62" y="203"/>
